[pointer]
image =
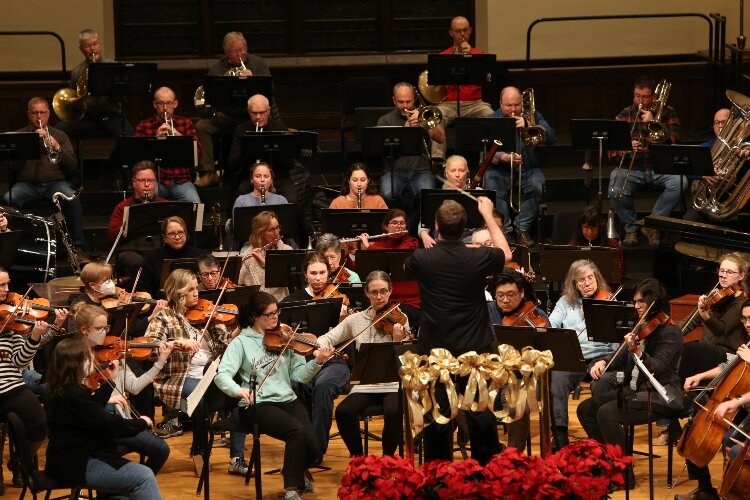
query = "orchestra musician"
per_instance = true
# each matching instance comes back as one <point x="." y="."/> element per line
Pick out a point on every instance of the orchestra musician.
<point x="131" y="250"/>
<point x="705" y="489"/>
<point x="83" y="436"/>
<point x="275" y="406"/>
<point x="363" y="325"/>
<point x="184" y="369"/>
<point x="498" y="176"/>
<point x="600" y="415"/>
<point x="457" y="175"/>
<point x="261" y="177"/>
<point x="642" y="174"/>
<point x="329" y="246"/>
<point x="356" y="189"/>
<point x="174" y="182"/>
<point x="320" y="392"/>
<point x="91" y="322"/>
<point x="471" y="95"/>
<point x="591" y="231"/>
<point x="265" y="235"/>
<point x="583" y="281"/>
<point x="451" y="280"/>
<point x="510" y="298"/>
<point x="177" y="245"/>
<point x="209" y="272"/>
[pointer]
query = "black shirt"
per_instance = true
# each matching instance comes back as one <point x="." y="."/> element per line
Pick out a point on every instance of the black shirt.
<point x="451" y="284"/>
<point x="152" y="263"/>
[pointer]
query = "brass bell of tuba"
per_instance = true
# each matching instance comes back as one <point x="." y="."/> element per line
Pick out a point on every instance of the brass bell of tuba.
<point x="533" y="134"/>
<point x="656" y="130"/>
<point x="70" y="104"/>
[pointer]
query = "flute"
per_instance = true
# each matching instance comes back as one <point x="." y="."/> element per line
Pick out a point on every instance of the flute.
<point x="373" y="237"/>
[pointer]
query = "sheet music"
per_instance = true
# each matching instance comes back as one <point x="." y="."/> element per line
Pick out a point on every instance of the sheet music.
<point x="659" y="388"/>
<point x="194" y="398"/>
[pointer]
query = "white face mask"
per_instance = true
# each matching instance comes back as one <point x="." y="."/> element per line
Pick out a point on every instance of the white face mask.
<point x="108" y="288"/>
<point x="97" y="336"/>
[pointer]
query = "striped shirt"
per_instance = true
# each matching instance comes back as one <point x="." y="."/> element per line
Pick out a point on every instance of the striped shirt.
<point x="16" y="352"/>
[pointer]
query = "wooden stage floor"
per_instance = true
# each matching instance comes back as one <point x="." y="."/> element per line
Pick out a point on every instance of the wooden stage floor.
<point x="178" y="481"/>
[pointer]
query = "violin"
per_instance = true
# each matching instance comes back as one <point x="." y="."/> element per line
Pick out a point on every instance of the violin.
<point x="112" y="348"/>
<point x="226" y="283"/>
<point x="386" y="322"/>
<point x="342" y="275"/>
<point x="27" y="310"/>
<point x="200" y="312"/>
<point x="721" y="295"/>
<point x="527" y="314"/>
<point x="94" y="380"/>
<point x="642" y="329"/>
<point x="330" y="291"/>
<point x="276" y="339"/>
<point x="122" y="297"/>
<point x="529" y="276"/>
<point x="603" y="294"/>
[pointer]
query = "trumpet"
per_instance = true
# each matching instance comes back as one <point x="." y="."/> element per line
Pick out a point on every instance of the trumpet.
<point x="168" y="120"/>
<point x="53" y="155"/>
<point x="619" y="195"/>
<point x="373" y="237"/>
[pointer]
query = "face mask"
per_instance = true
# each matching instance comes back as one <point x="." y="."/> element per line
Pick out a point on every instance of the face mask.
<point x="97" y="336"/>
<point x="108" y="288"/>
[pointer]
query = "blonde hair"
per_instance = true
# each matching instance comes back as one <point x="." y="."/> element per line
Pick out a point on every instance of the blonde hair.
<point x="94" y="272"/>
<point x="176" y="286"/>
<point x="260" y="223"/>
<point x="570" y="290"/>
<point x="454" y="159"/>
<point x="85" y="314"/>
<point x="738" y="259"/>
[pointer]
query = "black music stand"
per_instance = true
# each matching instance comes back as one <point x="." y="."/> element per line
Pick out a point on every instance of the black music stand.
<point x="232" y="268"/>
<point x="564" y="344"/>
<point x="600" y="135"/>
<point x="145" y="219"/>
<point x="287" y="215"/>
<point x="18" y="146"/>
<point x="358" y="301"/>
<point x="521" y="255"/>
<point x="169" y="265"/>
<point x="391" y="261"/>
<point x="391" y="142"/>
<point x="165" y="152"/>
<point x="10" y="242"/>
<point x="693" y="162"/>
<point x="229" y="94"/>
<point x="313" y="316"/>
<point x="284" y="268"/>
<point x="608" y="320"/>
<point x="367" y="117"/>
<point x="459" y="69"/>
<point x="121" y="316"/>
<point x="477" y="134"/>
<point x="346" y="223"/>
<point x="433" y="198"/>
<point x="238" y="296"/>
<point x="120" y="80"/>
<point x="556" y="259"/>
<point x="272" y="146"/>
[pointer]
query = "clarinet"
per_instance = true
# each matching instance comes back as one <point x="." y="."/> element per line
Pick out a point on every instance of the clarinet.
<point x="262" y="195"/>
<point x="359" y="197"/>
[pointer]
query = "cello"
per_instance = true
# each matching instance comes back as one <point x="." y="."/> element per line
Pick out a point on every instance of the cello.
<point x="736" y="481"/>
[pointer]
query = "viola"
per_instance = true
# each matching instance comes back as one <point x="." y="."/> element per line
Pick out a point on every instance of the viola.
<point x="527" y="314"/>
<point x="201" y="311"/>
<point x="386" y="322"/>
<point x="330" y="291"/>
<point x="303" y="344"/>
<point x="124" y="297"/>
<point x="112" y="348"/>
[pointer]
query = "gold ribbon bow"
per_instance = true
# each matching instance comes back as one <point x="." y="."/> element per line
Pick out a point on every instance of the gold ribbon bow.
<point x="502" y="366"/>
<point x="442" y="366"/>
<point x="533" y="365"/>
<point x="415" y="379"/>
<point x="475" y="367"/>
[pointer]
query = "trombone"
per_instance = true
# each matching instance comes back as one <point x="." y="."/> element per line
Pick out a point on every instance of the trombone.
<point x="619" y="194"/>
<point x="516" y="207"/>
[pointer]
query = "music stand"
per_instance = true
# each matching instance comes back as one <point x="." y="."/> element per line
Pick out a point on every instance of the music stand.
<point x="476" y="134"/>
<point x="367" y="117"/>
<point x="608" y="320"/>
<point x="121" y="316"/>
<point x="378" y="362"/>
<point x="346" y="223"/>
<point x="356" y="294"/>
<point x="271" y="146"/>
<point x="287" y="214"/>
<point x="284" y="268"/>
<point x="313" y="316"/>
<point x="121" y="79"/>
<point x="390" y="261"/>
<point x="145" y="219"/>
<point x="433" y="198"/>
<point x="459" y="69"/>
<point x="238" y="296"/>
<point x="391" y="142"/>
<point x="165" y="152"/>
<point x="693" y="162"/>
<point x="169" y="265"/>
<point x="600" y="135"/>
<point x="521" y="255"/>
<point x="229" y="94"/>
<point x="10" y="242"/>
<point x="555" y="261"/>
<point x="18" y="146"/>
<point x="232" y="268"/>
<point x="564" y="344"/>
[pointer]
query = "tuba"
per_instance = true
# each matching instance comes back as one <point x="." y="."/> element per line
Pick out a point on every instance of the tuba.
<point x="656" y="131"/>
<point x="729" y="193"/>
<point x="70" y="104"/>
<point x="533" y="134"/>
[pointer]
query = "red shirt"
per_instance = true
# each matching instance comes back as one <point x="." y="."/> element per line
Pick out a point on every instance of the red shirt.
<point x="468" y="92"/>
<point x="405" y="292"/>
<point x="149" y="127"/>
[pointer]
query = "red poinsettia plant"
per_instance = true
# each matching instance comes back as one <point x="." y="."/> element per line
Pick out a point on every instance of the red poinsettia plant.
<point x="382" y="478"/>
<point x="445" y="480"/>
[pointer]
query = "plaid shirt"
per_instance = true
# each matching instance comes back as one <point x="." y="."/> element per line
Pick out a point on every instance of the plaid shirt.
<point x="148" y="128"/>
<point x="642" y="158"/>
<point x="168" y="325"/>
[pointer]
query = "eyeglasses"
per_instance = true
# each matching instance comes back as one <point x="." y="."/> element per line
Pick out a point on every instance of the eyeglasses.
<point x="145" y="181"/>
<point x="641" y="96"/>
<point x="259" y="113"/>
<point x="509" y="295"/>
<point x="175" y="236"/>
<point x="274" y="229"/>
<point x="210" y="274"/>
<point x="728" y="272"/>
<point x="720" y="122"/>
<point x="639" y="301"/>
<point x="397" y="223"/>
<point x="485" y="243"/>
<point x="42" y="113"/>
<point x="379" y="293"/>
<point x="745" y="319"/>
<point x="164" y="104"/>
<point x="102" y="329"/>
<point x="587" y="279"/>
<point x="271" y="314"/>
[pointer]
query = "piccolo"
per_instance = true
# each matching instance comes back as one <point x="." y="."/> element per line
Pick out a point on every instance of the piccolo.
<point x="373" y="237"/>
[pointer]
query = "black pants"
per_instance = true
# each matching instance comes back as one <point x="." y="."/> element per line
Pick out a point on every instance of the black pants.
<point x="26" y="405"/>
<point x="290" y="423"/>
<point x="604" y="421"/>
<point x="347" y="420"/>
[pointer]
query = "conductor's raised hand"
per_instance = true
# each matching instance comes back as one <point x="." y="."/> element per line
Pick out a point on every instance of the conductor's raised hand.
<point x="485" y="206"/>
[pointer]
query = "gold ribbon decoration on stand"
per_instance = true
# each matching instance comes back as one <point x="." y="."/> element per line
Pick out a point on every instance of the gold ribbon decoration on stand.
<point x="477" y="370"/>
<point x="533" y="364"/>
<point x="442" y="366"/>
<point x="502" y="366"/>
<point x="415" y="380"/>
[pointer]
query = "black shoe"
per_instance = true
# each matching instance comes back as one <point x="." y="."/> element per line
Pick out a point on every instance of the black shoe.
<point x="561" y="436"/>
<point x="524" y="238"/>
<point x="699" y="494"/>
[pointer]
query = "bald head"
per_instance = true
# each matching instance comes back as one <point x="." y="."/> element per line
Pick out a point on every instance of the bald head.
<point x="259" y="109"/>
<point x="510" y="101"/>
<point x="720" y="119"/>
<point x="460" y="30"/>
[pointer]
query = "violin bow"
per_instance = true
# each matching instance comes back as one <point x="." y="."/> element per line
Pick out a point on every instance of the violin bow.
<point x="641" y="320"/>
<point x="135" y="284"/>
<point x="223" y="269"/>
<point x="275" y="361"/>
<point x="14" y="314"/>
<point x="727" y="421"/>
<point x="111" y="383"/>
<point x="375" y="320"/>
<point x="696" y="310"/>
<point x="333" y="290"/>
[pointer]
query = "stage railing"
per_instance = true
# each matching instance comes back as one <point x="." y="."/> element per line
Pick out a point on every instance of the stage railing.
<point x="63" y="69"/>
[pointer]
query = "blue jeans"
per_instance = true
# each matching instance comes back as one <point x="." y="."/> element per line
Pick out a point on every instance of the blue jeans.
<point x="497" y="177"/>
<point x="180" y="192"/>
<point x="155" y="449"/>
<point x="623" y="205"/>
<point x="33" y="381"/>
<point x="135" y="481"/>
<point x="25" y="192"/>
<point x="321" y="391"/>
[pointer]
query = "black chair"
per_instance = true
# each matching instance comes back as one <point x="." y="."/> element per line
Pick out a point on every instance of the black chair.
<point x="358" y="92"/>
<point x="365" y="416"/>
<point x="34" y="480"/>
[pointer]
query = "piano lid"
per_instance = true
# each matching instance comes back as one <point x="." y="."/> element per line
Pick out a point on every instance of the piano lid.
<point x="691" y="236"/>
